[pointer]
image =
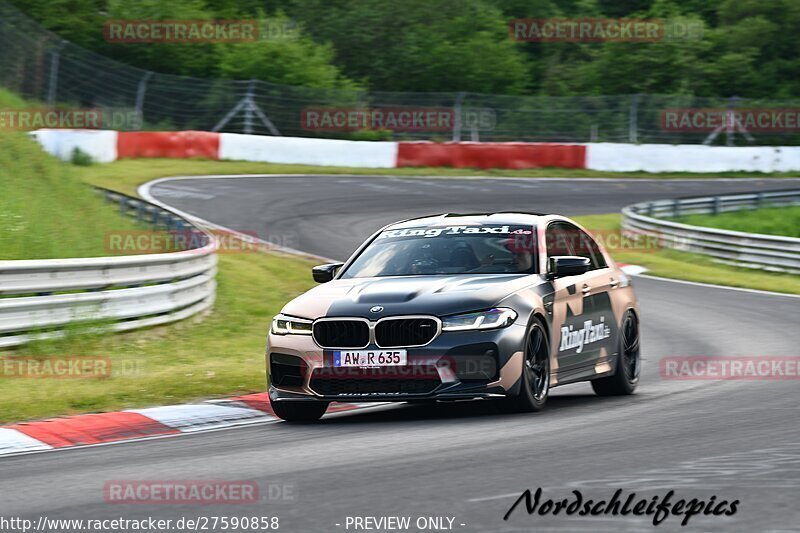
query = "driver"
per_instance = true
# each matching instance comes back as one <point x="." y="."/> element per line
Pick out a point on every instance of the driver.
<point x="523" y="261"/>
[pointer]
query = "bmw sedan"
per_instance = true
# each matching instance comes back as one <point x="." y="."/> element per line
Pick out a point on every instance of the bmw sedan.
<point x="500" y="306"/>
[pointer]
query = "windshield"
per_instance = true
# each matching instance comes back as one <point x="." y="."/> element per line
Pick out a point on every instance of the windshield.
<point x="448" y="250"/>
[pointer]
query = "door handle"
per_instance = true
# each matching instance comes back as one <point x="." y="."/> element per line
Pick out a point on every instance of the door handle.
<point x="585" y="289"/>
<point x="614" y="283"/>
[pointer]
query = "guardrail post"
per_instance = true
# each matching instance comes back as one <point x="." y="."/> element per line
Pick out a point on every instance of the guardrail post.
<point x="650" y="209"/>
<point x="676" y="209"/>
<point x="716" y="206"/>
<point x="759" y="199"/>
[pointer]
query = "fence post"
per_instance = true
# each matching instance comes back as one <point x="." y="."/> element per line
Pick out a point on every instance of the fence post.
<point x="140" y="100"/>
<point x="457" y="117"/>
<point x="730" y="119"/>
<point x="633" y="120"/>
<point x="248" y="109"/>
<point x="53" y="81"/>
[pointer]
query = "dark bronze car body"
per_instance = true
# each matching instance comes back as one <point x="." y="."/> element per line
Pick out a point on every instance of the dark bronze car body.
<point x="576" y="319"/>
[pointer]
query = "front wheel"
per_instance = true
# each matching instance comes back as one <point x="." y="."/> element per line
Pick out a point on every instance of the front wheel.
<point x="535" y="385"/>
<point x="299" y="411"/>
<point x="626" y="376"/>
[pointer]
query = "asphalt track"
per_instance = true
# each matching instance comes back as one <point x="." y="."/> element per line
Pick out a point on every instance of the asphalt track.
<point x="729" y="439"/>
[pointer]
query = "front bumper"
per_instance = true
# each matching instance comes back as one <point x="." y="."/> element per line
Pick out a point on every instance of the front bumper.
<point x="456" y="365"/>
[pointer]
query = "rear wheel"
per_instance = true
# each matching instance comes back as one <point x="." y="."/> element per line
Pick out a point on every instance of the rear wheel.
<point x="535" y="385"/>
<point x="299" y="411"/>
<point x="626" y="375"/>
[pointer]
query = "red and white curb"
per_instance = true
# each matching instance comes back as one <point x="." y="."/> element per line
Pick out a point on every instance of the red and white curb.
<point x="93" y="429"/>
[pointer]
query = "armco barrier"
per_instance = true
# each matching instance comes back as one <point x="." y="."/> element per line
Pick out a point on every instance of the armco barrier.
<point x="768" y="252"/>
<point x="128" y="292"/>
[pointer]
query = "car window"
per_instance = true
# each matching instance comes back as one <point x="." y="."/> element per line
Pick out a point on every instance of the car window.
<point x="557" y="240"/>
<point x="563" y="238"/>
<point x="589" y="248"/>
<point x="448" y="250"/>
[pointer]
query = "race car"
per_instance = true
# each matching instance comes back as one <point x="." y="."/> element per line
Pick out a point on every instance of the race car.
<point x="497" y="306"/>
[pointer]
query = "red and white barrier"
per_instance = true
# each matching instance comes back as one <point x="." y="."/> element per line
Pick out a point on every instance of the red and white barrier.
<point x="491" y="155"/>
<point x="308" y="151"/>
<point x="106" y="146"/>
<point x="691" y="158"/>
<point x="168" y="144"/>
<point x="101" y="145"/>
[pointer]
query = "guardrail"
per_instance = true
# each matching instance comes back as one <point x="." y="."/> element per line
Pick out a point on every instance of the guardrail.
<point x="752" y="250"/>
<point x="39" y="298"/>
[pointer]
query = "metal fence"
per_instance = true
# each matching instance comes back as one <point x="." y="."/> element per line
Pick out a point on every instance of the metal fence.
<point x="40" y="66"/>
<point x="40" y="298"/>
<point x="768" y="252"/>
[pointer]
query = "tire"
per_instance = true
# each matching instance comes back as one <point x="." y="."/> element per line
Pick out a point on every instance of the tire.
<point x="299" y="411"/>
<point x="626" y="375"/>
<point x="535" y="380"/>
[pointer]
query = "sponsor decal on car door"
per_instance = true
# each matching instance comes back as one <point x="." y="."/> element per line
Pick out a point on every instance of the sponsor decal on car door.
<point x="583" y="318"/>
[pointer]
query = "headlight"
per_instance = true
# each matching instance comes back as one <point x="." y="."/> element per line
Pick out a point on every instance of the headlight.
<point x="493" y="318"/>
<point x="289" y="325"/>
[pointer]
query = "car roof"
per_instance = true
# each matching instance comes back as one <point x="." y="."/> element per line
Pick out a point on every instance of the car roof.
<point x="450" y="219"/>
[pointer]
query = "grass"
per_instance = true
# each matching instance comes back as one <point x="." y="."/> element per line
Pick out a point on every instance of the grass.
<point x="45" y="210"/>
<point x="770" y="220"/>
<point x="9" y="100"/>
<point x="126" y="175"/>
<point x="691" y="267"/>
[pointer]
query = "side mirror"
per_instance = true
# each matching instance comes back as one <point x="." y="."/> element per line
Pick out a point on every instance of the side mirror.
<point x="561" y="266"/>
<point x="325" y="273"/>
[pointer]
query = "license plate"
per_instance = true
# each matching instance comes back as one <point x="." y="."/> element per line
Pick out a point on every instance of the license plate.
<point x="369" y="358"/>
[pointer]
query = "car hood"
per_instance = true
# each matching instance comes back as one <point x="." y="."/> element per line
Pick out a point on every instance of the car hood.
<point x="405" y="295"/>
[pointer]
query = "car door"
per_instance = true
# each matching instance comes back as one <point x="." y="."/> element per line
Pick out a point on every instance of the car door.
<point x="568" y="305"/>
<point x="599" y="325"/>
